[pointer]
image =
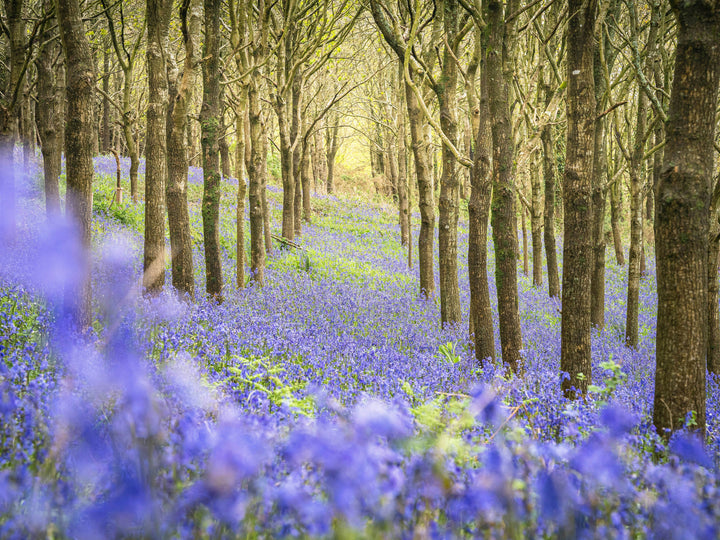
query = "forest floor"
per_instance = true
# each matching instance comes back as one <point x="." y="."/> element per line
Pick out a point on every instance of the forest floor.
<point x="328" y="401"/>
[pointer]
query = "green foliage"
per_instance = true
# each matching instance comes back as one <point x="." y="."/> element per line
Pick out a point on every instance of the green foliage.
<point x="260" y="375"/>
<point x="273" y="165"/>
<point x="129" y="214"/>
<point x="447" y="353"/>
<point x="616" y="379"/>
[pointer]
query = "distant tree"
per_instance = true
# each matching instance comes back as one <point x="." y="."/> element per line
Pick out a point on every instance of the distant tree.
<point x="78" y="140"/>
<point x="682" y="228"/>
<point x="127" y="56"/>
<point x="417" y="123"/>
<point x="158" y="25"/>
<point x="577" y="193"/>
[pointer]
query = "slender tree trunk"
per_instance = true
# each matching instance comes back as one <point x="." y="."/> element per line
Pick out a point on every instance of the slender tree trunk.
<point x="297" y="150"/>
<point x="210" y="125"/>
<point x="225" y="165"/>
<point x="240" y="123"/>
<point x="78" y="143"/>
<point x="158" y="25"/>
<point x="526" y="259"/>
<point x="331" y="148"/>
<point x="478" y="216"/>
<point x="47" y="106"/>
<point x="683" y="205"/>
<point x="177" y="162"/>
<point x="319" y="159"/>
<point x="599" y="189"/>
<point x="615" y="213"/>
<point x="450" y="309"/>
<point x="106" y="101"/>
<point x="257" y="170"/>
<point x="549" y="214"/>
<point x="128" y="125"/>
<point x="503" y="202"/>
<point x="425" y="195"/>
<point x="305" y="181"/>
<point x="636" y="255"/>
<point x="577" y="190"/>
<point x="536" y="225"/>
<point x="403" y="206"/>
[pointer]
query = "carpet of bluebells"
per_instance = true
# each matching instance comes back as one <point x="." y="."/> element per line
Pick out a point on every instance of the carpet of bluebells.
<point x="328" y="403"/>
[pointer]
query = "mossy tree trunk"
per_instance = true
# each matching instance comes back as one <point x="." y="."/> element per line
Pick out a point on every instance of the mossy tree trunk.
<point x="210" y="133"/>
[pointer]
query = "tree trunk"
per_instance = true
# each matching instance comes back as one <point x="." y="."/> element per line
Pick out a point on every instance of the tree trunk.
<point x="450" y="309"/>
<point x="599" y="193"/>
<point x="9" y="112"/>
<point x="106" y="101"/>
<point x="47" y="108"/>
<point x="403" y="207"/>
<point x="536" y="224"/>
<point x="297" y="150"/>
<point x="615" y="214"/>
<point x="637" y="255"/>
<point x="549" y="214"/>
<point x="319" y="160"/>
<point x="257" y="170"/>
<point x="478" y="216"/>
<point x="425" y="195"/>
<point x="78" y="144"/>
<point x="682" y="220"/>
<point x="240" y="123"/>
<point x="331" y="148"/>
<point x="210" y="125"/>
<point x="177" y="162"/>
<point x="305" y="181"/>
<point x="503" y="202"/>
<point x="225" y="165"/>
<point x="158" y="26"/>
<point x="577" y="191"/>
<point x="713" y="352"/>
<point x="526" y="259"/>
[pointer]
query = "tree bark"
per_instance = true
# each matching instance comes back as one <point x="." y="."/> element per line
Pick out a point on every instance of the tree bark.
<point x="503" y="217"/>
<point x="240" y="154"/>
<point x="536" y="225"/>
<point x="46" y="110"/>
<point x="210" y="126"/>
<point x="446" y="91"/>
<point x="425" y="195"/>
<point x="257" y="170"/>
<point x="577" y="191"/>
<point x="158" y="26"/>
<point x="478" y="216"/>
<point x="78" y="143"/>
<point x="9" y="112"/>
<point x="331" y="149"/>
<point x="615" y="214"/>
<point x="549" y="214"/>
<point x="713" y="352"/>
<point x="682" y="210"/>
<point x="297" y="150"/>
<point x="177" y="162"/>
<point x="106" y="101"/>
<point x="403" y="206"/>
